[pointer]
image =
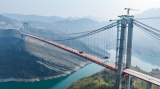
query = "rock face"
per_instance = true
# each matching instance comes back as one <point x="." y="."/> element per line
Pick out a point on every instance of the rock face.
<point x="26" y="59"/>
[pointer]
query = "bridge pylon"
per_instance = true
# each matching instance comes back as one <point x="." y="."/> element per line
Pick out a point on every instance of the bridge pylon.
<point x="124" y="22"/>
<point x="121" y="53"/>
<point x="25" y="27"/>
<point x="129" y="51"/>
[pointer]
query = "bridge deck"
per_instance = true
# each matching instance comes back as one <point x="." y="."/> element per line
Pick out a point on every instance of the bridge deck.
<point x="103" y="62"/>
<point x="142" y="76"/>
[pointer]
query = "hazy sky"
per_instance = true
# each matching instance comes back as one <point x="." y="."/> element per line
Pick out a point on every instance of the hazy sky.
<point x="76" y="8"/>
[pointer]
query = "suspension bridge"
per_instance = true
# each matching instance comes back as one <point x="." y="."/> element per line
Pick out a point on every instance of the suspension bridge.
<point x="121" y="68"/>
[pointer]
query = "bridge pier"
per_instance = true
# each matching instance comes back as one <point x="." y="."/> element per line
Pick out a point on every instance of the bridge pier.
<point x="149" y="85"/>
<point x="127" y="82"/>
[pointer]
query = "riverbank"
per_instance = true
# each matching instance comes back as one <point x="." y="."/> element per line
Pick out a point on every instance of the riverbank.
<point x="57" y="83"/>
<point x="46" y="78"/>
<point x="88" y="69"/>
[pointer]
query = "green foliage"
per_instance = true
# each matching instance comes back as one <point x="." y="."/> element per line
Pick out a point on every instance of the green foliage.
<point x="105" y="79"/>
<point x="102" y="80"/>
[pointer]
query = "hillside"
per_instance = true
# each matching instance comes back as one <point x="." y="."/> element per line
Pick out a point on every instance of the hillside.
<point x="105" y="79"/>
<point x="6" y="22"/>
<point x="79" y="44"/>
<point x="155" y="73"/>
<point x="26" y="59"/>
<point x="142" y="42"/>
<point x="57" y="24"/>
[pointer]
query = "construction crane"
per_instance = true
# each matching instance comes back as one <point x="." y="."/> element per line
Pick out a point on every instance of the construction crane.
<point x="128" y="9"/>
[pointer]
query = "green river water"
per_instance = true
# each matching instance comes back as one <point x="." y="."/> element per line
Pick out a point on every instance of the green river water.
<point x="144" y="62"/>
<point x="58" y="83"/>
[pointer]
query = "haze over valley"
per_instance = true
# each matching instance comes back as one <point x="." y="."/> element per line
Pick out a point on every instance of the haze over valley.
<point x="28" y="61"/>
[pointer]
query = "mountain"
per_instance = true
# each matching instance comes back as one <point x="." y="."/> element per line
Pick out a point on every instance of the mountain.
<point x="151" y="17"/>
<point x="143" y="43"/>
<point x="79" y="25"/>
<point x="105" y="79"/>
<point x="68" y="26"/>
<point x="48" y="31"/>
<point x="153" y="12"/>
<point x="47" y="19"/>
<point x="7" y="22"/>
<point x="5" y="19"/>
<point x="26" y="59"/>
<point x="78" y="44"/>
<point x="56" y="23"/>
<point x="99" y="19"/>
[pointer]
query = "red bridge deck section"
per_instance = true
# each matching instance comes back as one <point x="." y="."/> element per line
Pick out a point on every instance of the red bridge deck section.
<point x="103" y="62"/>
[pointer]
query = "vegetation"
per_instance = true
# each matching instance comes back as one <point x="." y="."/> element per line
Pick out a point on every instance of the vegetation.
<point x="105" y="79"/>
<point x="101" y="80"/>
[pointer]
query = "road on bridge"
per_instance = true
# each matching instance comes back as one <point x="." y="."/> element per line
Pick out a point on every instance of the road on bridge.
<point x="103" y="62"/>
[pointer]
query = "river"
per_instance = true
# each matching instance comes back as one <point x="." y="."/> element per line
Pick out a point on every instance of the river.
<point x="58" y="83"/>
<point x="146" y="63"/>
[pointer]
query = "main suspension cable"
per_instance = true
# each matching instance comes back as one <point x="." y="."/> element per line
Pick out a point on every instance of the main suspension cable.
<point x="147" y="26"/>
<point x="91" y="33"/>
<point x="150" y="32"/>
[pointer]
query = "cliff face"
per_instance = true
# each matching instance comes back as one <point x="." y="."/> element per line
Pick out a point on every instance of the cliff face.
<point x="26" y="59"/>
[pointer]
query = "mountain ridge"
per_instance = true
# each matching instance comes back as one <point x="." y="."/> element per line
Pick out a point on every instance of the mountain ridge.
<point x="47" y="19"/>
<point x="26" y="59"/>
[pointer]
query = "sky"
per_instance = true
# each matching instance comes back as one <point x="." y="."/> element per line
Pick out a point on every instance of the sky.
<point x="108" y="9"/>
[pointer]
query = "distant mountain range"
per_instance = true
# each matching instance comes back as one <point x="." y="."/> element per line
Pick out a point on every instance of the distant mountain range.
<point x="142" y="42"/>
<point x="5" y="19"/>
<point x="153" y="12"/>
<point x="6" y="22"/>
<point x="65" y="25"/>
<point x="57" y="24"/>
<point x="47" y="30"/>
<point x="20" y="17"/>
